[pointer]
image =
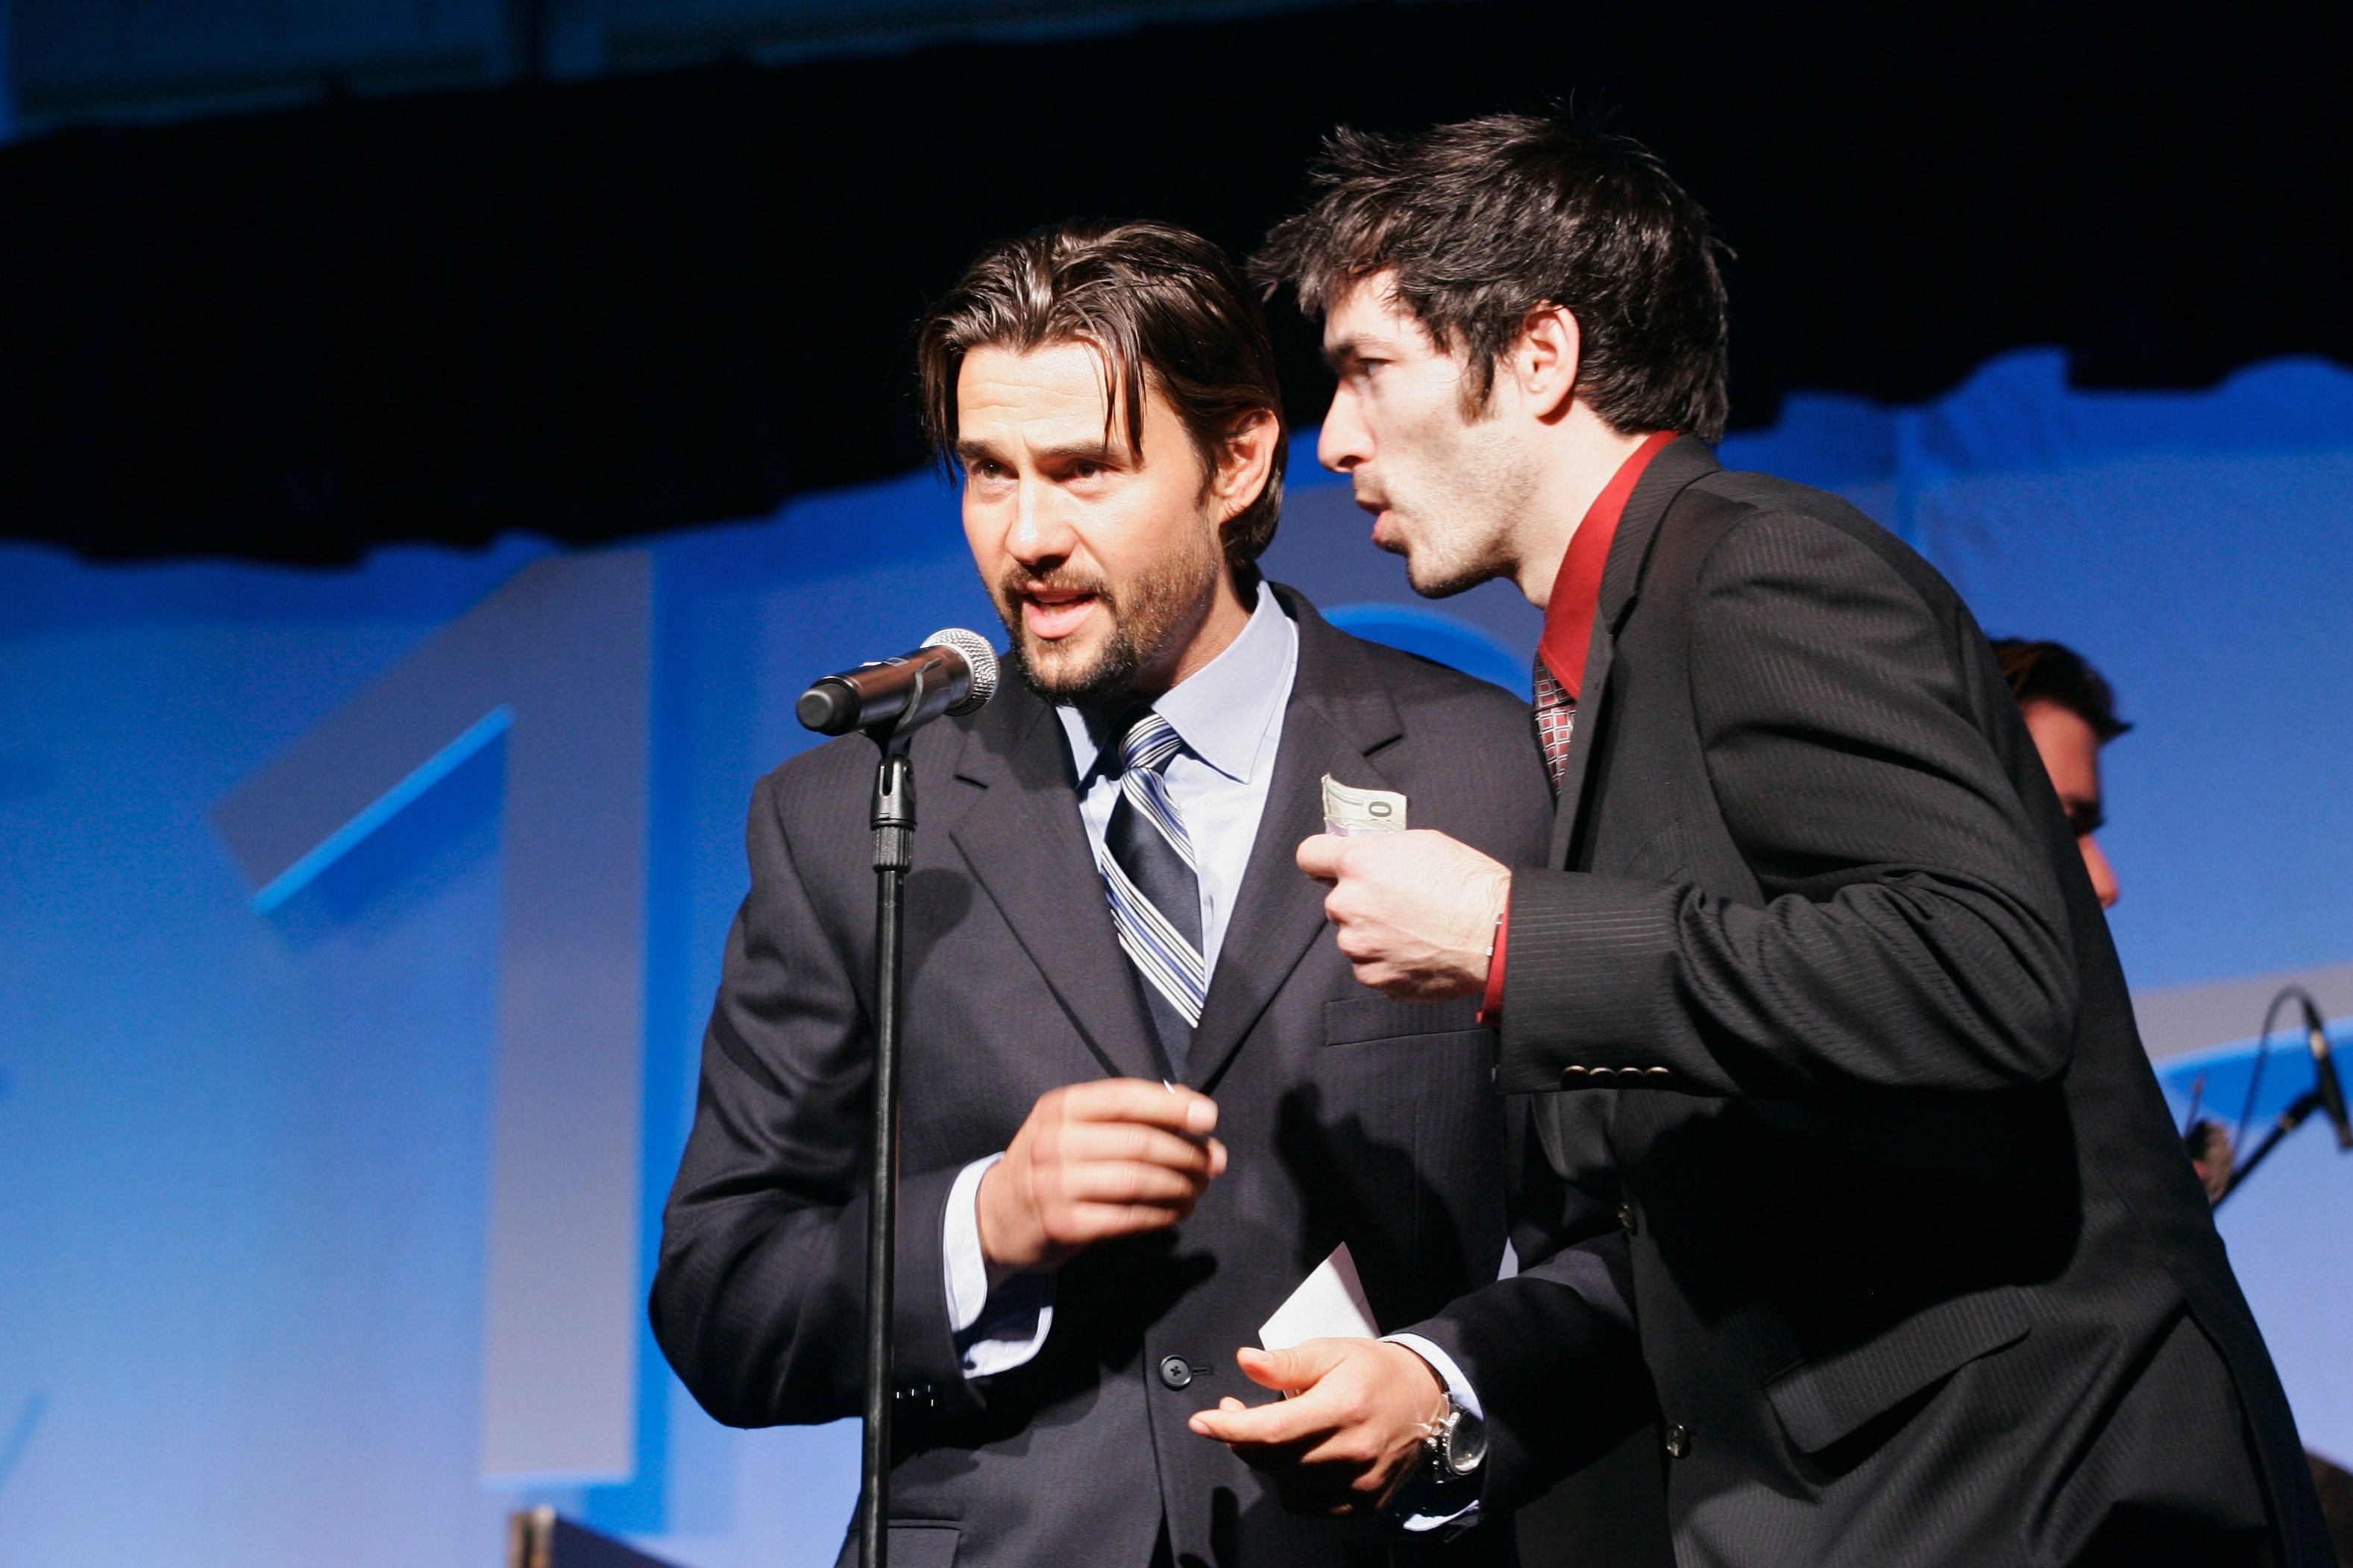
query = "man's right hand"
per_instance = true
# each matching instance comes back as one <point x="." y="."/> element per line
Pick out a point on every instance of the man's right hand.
<point x="1097" y="1160"/>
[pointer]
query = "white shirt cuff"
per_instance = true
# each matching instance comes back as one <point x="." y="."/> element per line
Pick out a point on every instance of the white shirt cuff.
<point x="995" y="1331"/>
<point x="967" y="1265"/>
<point x="1458" y="1387"/>
<point x="1419" y="1507"/>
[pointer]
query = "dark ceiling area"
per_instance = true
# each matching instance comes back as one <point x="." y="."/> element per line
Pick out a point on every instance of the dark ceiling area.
<point x="602" y="309"/>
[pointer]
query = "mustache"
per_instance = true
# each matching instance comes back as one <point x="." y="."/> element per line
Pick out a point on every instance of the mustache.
<point x="1018" y="580"/>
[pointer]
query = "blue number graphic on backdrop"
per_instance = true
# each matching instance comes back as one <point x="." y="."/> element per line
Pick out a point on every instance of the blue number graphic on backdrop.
<point x="559" y="661"/>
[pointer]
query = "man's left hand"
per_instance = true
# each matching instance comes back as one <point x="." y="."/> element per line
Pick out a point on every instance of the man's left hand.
<point x="1416" y="912"/>
<point x="1351" y="1434"/>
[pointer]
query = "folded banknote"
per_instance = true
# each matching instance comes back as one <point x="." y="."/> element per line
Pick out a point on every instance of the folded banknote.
<point x="1352" y="813"/>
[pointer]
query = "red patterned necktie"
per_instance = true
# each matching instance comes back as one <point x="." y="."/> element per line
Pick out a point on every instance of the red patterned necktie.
<point x="1556" y="721"/>
<point x="1575" y="600"/>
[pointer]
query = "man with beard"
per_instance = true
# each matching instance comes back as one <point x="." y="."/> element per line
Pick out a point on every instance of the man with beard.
<point x="1144" y="1096"/>
<point x="1860" y="1185"/>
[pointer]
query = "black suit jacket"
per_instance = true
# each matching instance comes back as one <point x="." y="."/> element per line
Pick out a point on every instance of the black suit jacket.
<point x="1348" y="1118"/>
<point x="1839" y="1096"/>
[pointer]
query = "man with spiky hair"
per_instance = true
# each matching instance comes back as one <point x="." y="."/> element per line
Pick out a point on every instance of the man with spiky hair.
<point x="1144" y="1098"/>
<point x="1857" y="1180"/>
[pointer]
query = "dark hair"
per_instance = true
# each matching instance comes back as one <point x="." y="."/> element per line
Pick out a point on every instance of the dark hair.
<point x="2053" y="672"/>
<point x="1483" y="221"/>
<point x="1163" y="307"/>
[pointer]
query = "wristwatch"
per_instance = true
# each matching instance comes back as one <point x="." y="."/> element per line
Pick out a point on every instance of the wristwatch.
<point x="1457" y="1445"/>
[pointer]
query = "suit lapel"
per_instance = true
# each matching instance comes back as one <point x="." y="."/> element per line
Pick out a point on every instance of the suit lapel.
<point x="1336" y="715"/>
<point x="1683" y="461"/>
<point x="1027" y="846"/>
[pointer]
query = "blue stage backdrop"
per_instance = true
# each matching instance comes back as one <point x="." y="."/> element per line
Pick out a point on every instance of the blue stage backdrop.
<point x="247" y="1245"/>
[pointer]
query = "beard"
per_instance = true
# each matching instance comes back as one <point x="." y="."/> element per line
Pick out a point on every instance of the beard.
<point x="1150" y="617"/>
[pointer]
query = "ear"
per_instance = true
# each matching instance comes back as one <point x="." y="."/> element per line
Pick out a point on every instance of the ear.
<point x="1244" y="460"/>
<point x="1546" y="359"/>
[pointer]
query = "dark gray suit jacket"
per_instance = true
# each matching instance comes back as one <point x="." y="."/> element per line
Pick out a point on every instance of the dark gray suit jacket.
<point x="1840" y="1096"/>
<point x="1348" y="1116"/>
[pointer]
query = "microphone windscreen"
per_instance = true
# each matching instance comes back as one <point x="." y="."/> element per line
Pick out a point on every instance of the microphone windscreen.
<point x="978" y="657"/>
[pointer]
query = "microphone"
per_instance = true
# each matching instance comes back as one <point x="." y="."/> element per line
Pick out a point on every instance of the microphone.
<point x="2325" y="1081"/>
<point x="953" y="672"/>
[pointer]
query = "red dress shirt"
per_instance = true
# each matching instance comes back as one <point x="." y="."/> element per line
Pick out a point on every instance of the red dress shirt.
<point x="1569" y="630"/>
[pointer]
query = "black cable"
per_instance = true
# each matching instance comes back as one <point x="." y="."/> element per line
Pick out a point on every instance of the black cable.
<point x="2262" y="1048"/>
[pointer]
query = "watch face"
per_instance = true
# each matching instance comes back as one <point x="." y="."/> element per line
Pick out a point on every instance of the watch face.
<point x="1466" y="1443"/>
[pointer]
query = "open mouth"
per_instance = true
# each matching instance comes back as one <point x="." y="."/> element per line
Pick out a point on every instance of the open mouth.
<point x="1053" y="613"/>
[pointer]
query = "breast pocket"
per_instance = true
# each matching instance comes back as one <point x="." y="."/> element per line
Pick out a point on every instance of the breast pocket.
<point x="1373" y="1017"/>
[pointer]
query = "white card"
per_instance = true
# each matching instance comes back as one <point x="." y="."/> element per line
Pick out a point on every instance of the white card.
<point x="1329" y="1305"/>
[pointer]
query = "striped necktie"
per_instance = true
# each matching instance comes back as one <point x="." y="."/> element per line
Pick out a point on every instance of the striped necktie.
<point x="1154" y="886"/>
<point x="1555" y="721"/>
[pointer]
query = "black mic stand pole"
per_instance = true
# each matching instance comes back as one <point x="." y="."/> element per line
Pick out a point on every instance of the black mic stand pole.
<point x="894" y="833"/>
<point x="2290" y="1119"/>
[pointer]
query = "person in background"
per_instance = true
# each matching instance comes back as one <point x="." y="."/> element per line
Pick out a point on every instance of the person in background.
<point x="2071" y="714"/>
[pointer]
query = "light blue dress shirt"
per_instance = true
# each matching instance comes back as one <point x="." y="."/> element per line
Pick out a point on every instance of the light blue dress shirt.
<point x="1228" y="714"/>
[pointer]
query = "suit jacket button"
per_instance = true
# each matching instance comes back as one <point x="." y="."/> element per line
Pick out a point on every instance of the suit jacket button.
<point x="1175" y="1371"/>
<point x="1626" y="1218"/>
<point x="1679" y="1439"/>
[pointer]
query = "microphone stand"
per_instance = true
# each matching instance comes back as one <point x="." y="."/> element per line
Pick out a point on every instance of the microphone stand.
<point x="2325" y="1094"/>
<point x="2289" y="1121"/>
<point x="893" y="820"/>
<point x="833" y="706"/>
